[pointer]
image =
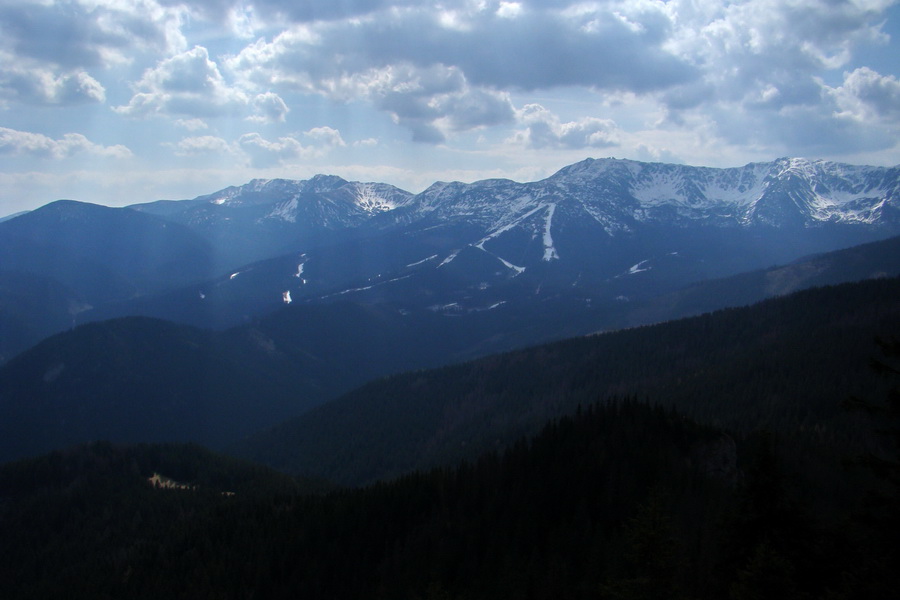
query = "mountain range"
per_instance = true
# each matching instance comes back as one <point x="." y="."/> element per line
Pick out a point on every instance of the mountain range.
<point x="279" y="295"/>
<point x="593" y="226"/>
<point x="600" y="231"/>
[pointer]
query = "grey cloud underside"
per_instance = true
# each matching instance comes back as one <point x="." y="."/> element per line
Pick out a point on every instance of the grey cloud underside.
<point x="466" y="110"/>
<point x="478" y="109"/>
<point x="809" y="130"/>
<point x="530" y="52"/>
<point x="308" y="11"/>
<point x="582" y="135"/>
<point x="326" y="9"/>
<point x="882" y="94"/>
<point x="536" y="49"/>
<point x="436" y="77"/>
<point x="41" y="88"/>
<point x="75" y="36"/>
<point x="425" y="133"/>
<point x="757" y="72"/>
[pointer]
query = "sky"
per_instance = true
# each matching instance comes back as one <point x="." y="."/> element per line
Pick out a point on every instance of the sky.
<point x="118" y="102"/>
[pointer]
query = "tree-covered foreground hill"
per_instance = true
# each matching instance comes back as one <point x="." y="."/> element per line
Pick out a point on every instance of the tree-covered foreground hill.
<point x="621" y="500"/>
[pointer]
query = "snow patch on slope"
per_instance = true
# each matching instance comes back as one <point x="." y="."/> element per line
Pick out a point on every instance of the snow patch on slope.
<point x="300" y="268"/>
<point x="550" y="252"/>
<point x="368" y="287"/>
<point x="286" y="211"/>
<point x="639" y="268"/>
<point x="518" y="270"/>
<point x="509" y="223"/>
<point x="368" y="198"/>
<point x="515" y="268"/>
<point x="449" y="258"/>
<point x="424" y="260"/>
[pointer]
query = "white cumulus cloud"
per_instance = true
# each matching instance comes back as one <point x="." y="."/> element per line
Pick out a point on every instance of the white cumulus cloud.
<point x="270" y="108"/>
<point x="869" y="96"/>
<point x="25" y="143"/>
<point x="38" y="86"/>
<point x="545" y="130"/>
<point x="263" y="152"/>
<point x="325" y="137"/>
<point x="202" y="145"/>
<point x="762" y="62"/>
<point x="187" y="84"/>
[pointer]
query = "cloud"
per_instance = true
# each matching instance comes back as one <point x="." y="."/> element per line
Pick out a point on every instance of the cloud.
<point x="509" y="10"/>
<point x="766" y="54"/>
<point x="192" y="124"/>
<point x="763" y="66"/>
<point x="649" y="153"/>
<point x="270" y="108"/>
<point x="441" y="69"/>
<point x="522" y="49"/>
<point x="475" y="108"/>
<point x="38" y="86"/>
<point x="202" y="145"/>
<point x="23" y="143"/>
<point x="866" y="95"/>
<point x="188" y="84"/>
<point x="74" y="34"/>
<point x="191" y="85"/>
<point x="267" y="153"/>
<point x="751" y="76"/>
<point x="191" y="72"/>
<point x="308" y="10"/>
<point x="325" y="137"/>
<point x="431" y="101"/>
<point x="804" y="130"/>
<point x="545" y="130"/>
<point x="600" y="46"/>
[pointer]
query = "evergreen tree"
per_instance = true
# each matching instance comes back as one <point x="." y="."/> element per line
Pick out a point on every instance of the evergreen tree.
<point x="651" y="558"/>
<point x="879" y="575"/>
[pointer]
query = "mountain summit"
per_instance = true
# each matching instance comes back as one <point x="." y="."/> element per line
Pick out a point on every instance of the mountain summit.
<point x="819" y="191"/>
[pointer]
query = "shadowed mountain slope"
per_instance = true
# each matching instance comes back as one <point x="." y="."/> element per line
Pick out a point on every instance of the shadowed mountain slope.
<point x="138" y="379"/>
<point x="785" y="364"/>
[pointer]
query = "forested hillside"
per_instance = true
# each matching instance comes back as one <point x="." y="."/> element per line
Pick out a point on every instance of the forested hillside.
<point x="138" y="379"/>
<point x="785" y="364"/>
<point x="142" y="380"/>
<point x="618" y="501"/>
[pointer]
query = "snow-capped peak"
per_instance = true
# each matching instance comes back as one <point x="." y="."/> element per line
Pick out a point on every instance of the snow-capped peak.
<point x="617" y="194"/>
<point x="379" y="197"/>
<point x="322" y="183"/>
